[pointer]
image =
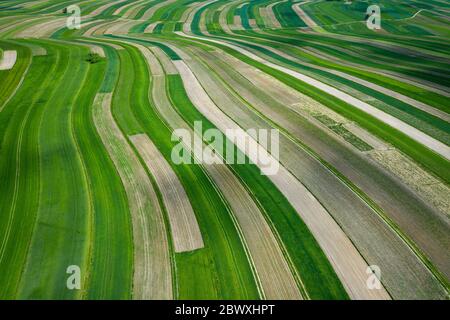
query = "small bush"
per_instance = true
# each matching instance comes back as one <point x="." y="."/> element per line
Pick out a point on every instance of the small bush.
<point x="93" y="58"/>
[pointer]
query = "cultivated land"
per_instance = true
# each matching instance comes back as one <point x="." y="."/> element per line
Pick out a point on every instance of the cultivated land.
<point x="88" y="178"/>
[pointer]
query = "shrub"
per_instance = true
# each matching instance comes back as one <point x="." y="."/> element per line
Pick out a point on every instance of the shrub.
<point x="93" y="58"/>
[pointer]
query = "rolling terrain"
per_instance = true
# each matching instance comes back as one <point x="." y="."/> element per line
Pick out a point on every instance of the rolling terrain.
<point x="89" y="118"/>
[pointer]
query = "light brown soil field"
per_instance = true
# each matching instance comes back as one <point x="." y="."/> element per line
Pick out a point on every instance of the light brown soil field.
<point x="152" y="267"/>
<point x="304" y="16"/>
<point x="42" y="29"/>
<point x="91" y="31"/>
<point x="184" y="228"/>
<point x="253" y="24"/>
<point x="152" y="61"/>
<point x="223" y="18"/>
<point x="265" y="17"/>
<point x="187" y="12"/>
<point x="427" y="186"/>
<point x="21" y="23"/>
<point x="8" y="59"/>
<point x="164" y="60"/>
<point x="151" y="27"/>
<point x="237" y="25"/>
<point x="274" y="23"/>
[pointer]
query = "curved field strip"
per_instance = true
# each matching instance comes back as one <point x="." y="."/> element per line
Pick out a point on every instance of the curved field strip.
<point x="152" y="275"/>
<point x="8" y="59"/>
<point x="349" y="74"/>
<point x="42" y="30"/>
<point x="273" y="272"/>
<point x="427" y="159"/>
<point x="319" y="284"/>
<point x="300" y="198"/>
<point x="342" y="201"/>
<point x="110" y="270"/>
<point x="150" y="13"/>
<point x="386" y="100"/>
<point x="11" y="81"/>
<point x="286" y="15"/>
<point x="304" y="16"/>
<point x="58" y="150"/>
<point x="20" y="154"/>
<point x="309" y="253"/>
<point x="203" y="273"/>
<point x="408" y="130"/>
<point x="395" y="81"/>
<point x="272" y="287"/>
<point x="186" y="234"/>
<point x="431" y="244"/>
<point x="442" y="166"/>
<point x="89" y="123"/>
<point x="274" y="22"/>
<point x="338" y="50"/>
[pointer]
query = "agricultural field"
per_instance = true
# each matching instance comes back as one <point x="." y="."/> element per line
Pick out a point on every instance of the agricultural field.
<point x="225" y="149"/>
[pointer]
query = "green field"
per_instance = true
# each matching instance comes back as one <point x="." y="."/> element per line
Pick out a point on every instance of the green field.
<point x="363" y="138"/>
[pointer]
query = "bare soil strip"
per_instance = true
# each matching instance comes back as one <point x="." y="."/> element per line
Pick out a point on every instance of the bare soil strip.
<point x="151" y="27"/>
<point x="97" y="49"/>
<point x="273" y="272"/>
<point x="274" y="23"/>
<point x="223" y="18"/>
<point x="304" y="16"/>
<point x="152" y="61"/>
<point x="417" y="104"/>
<point x="152" y="268"/>
<point x="190" y="18"/>
<point x="265" y="16"/>
<point x="183" y="223"/>
<point x="166" y="63"/>
<point x="121" y="26"/>
<point x="429" y="188"/>
<point x="121" y="8"/>
<point x="275" y="277"/>
<point x="410" y="131"/>
<point x="91" y="31"/>
<point x="8" y="60"/>
<point x="149" y="13"/>
<point x="237" y="25"/>
<point x="372" y="237"/>
<point x="346" y="260"/>
<point x="132" y="12"/>
<point x="43" y="29"/>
